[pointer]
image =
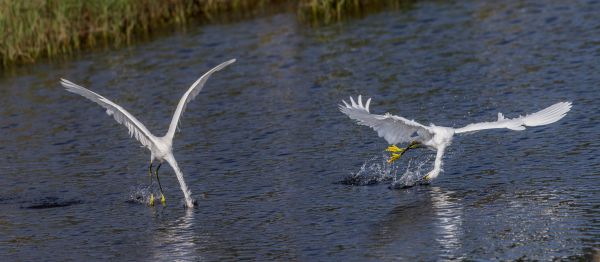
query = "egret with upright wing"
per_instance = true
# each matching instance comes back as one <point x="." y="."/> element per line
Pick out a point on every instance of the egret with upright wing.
<point x="396" y="129"/>
<point x="161" y="148"/>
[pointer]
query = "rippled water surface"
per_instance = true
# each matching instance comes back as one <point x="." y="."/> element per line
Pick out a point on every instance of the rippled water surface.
<point x="264" y="147"/>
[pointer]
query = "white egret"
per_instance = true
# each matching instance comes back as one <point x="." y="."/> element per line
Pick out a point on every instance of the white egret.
<point x="161" y="148"/>
<point x="396" y="129"/>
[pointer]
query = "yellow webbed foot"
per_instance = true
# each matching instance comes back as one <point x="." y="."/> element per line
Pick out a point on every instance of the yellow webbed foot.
<point x="427" y="179"/>
<point x="395" y="149"/>
<point x="152" y="199"/>
<point x="163" y="200"/>
<point x="393" y="158"/>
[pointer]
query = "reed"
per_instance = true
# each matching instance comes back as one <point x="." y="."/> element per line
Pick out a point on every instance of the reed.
<point x="31" y="29"/>
<point x="46" y="28"/>
<point x="320" y="12"/>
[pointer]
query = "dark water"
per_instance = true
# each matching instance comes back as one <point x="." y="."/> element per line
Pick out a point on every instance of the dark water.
<point x="263" y="146"/>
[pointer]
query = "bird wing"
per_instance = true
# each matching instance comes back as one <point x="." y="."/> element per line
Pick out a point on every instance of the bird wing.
<point x="186" y="192"/>
<point x="136" y="128"/>
<point x="394" y="129"/>
<point x="546" y="116"/>
<point x="190" y="94"/>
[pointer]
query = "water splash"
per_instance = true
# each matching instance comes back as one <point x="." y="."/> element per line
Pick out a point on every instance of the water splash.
<point x="377" y="170"/>
<point x="414" y="173"/>
<point x="141" y="194"/>
<point x="373" y="171"/>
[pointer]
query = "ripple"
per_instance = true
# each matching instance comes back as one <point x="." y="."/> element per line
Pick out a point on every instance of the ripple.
<point x="52" y="202"/>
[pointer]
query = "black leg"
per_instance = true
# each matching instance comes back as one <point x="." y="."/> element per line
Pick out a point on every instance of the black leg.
<point x="412" y="145"/>
<point x="150" y="173"/>
<point x="399" y="152"/>
<point x="162" y="196"/>
<point x="415" y="144"/>
<point x="151" y="202"/>
<point x="157" y="179"/>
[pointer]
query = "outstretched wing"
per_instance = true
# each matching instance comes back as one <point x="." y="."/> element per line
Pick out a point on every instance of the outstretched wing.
<point x="136" y="128"/>
<point x="394" y="129"/>
<point x="546" y="116"/>
<point x="190" y="94"/>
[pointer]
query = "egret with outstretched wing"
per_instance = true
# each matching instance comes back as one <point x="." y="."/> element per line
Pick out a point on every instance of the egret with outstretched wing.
<point x="161" y="148"/>
<point x="396" y="129"/>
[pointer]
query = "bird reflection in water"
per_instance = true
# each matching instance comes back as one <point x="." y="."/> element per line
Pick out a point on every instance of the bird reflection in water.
<point x="177" y="241"/>
<point x="434" y="218"/>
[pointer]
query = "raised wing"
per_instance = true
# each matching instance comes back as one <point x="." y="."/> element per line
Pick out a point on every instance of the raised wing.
<point x="136" y="128"/>
<point x="190" y="94"/>
<point x="546" y="116"/>
<point x="394" y="129"/>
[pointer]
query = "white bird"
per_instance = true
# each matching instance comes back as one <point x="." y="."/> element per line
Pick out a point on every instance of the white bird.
<point x="161" y="148"/>
<point x="396" y="129"/>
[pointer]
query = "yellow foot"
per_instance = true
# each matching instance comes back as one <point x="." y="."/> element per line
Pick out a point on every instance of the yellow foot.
<point x="393" y="158"/>
<point x="152" y="199"/>
<point x="427" y="178"/>
<point x="395" y="149"/>
<point x="162" y="200"/>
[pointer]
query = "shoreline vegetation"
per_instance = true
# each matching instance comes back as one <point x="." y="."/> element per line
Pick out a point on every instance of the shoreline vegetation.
<point x="34" y="29"/>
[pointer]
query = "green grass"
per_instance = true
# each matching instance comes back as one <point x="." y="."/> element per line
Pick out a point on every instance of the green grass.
<point x="320" y="12"/>
<point x="35" y="28"/>
<point x="32" y="29"/>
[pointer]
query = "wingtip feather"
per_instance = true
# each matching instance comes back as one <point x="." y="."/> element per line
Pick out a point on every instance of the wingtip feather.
<point x="65" y="82"/>
<point x="230" y="61"/>
<point x="358" y="103"/>
<point x="346" y="104"/>
<point x="548" y="115"/>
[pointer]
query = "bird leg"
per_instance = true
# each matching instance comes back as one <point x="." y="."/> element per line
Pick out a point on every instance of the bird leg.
<point x="437" y="166"/>
<point x="162" y="196"/>
<point x="150" y="175"/>
<point x="397" y="152"/>
<point x="150" y="172"/>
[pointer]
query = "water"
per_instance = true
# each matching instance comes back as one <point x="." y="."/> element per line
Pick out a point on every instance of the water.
<point x="264" y="148"/>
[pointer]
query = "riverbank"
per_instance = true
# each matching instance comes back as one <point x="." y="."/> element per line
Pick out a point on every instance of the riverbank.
<point x="44" y="28"/>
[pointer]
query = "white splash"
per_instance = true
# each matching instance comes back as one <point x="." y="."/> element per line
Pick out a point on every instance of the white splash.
<point x="141" y="194"/>
<point x="414" y="171"/>
<point x="377" y="170"/>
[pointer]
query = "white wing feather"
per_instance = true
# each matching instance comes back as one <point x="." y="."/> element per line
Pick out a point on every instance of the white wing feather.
<point x="394" y="129"/>
<point x="136" y="128"/>
<point x="190" y="94"/>
<point x="186" y="192"/>
<point x="546" y="116"/>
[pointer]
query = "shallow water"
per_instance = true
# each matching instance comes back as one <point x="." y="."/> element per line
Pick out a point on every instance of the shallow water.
<point x="264" y="148"/>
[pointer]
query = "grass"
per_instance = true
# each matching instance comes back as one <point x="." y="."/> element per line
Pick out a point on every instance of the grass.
<point x="32" y="29"/>
<point x="319" y="12"/>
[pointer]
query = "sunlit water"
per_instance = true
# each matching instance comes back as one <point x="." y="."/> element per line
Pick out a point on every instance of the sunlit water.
<point x="265" y="150"/>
